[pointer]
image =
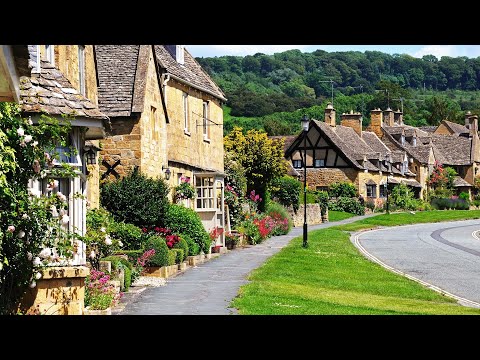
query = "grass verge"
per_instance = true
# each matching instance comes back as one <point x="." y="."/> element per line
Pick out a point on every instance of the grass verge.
<point x="332" y="277"/>
<point x="338" y="215"/>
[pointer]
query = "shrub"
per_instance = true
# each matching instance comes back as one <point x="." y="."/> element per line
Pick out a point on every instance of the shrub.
<point x="440" y="193"/>
<point x="178" y="255"/>
<point x="128" y="278"/>
<point x="286" y="190"/>
<point x="402" y="197"/>
<point x="321" y="198"/>
<point x="172" y="256"/>
<point x="136" y="199"/>
<point x="476" y="202"/>
<point x="182" y="244"/>
<point x="342" y="189"/>
<point x="350" y="205"/>
<point x="193" y="248"/>
<point x="464" y="195"/>
<point x="99" y="295"/>
<point x="283" y="221"/>
<point x="445" y="203"/>
<point x="250" y="230"/>
<point x="158" y="244"/>
<point x="129" y="234"/>
<point x="182" y="220"/>
<point x="132" y="254"/>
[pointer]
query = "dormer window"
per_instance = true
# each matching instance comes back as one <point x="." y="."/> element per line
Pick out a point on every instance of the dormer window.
<point x="414" y="141"/>
<point x="178" y="52"/>
<point x="297" y="164"/>
<point x="50" y="54"/>
<point x="402" y="139"/>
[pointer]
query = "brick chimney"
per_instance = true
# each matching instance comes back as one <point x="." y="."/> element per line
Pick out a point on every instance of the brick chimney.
<point x="330" y="115"/>
<point x="398" y="117"/>
<point x="376" y="121"/>
<point x="473" y="125"/>
<point x="475" y="149"/>
<point x="388" y="117"/>
<point x="353" y="120"/>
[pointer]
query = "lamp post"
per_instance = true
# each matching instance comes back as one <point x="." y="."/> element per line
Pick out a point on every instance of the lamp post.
<point x="305" y="123"/>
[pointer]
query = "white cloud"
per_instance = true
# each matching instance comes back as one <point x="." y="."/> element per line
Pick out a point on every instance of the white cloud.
<point x="240" y="50"/>
<point x="438" y="51"/>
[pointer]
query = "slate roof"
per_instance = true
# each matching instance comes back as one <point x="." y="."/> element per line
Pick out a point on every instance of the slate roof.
<point x="190" y="72"/>
<point x="374" y="142"/>
<point x="454" y="149"/>
<point x="456" y="128"/>
<point x="428" y="129"/>
<point x="50" y="92"/>
<point x="459" y="182"/>
<point x="116" y="68"/>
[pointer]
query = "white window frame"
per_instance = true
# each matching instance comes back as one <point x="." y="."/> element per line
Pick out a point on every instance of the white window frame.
<point x="81" y="69"/>
<point x="186" y="120"/>
<point x="206" y="132"/>
<point x="61" y="150"/>
<point x="205" y="193"/>
<point x="320" y="166"/>
<point x="50" y="53"/>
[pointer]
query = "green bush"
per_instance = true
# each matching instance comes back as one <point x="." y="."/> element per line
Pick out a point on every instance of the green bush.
<point x="127" y="278"/>
<point x="161" y="251"/>
<point x="464" y="195"/>
<point x="440" y="193"/>
<point x="342" y="189"/>
<point x="136" y="199"/>
<point x="402" y="197"/>
<point x="286" y="190"/>
<point x="133" y="255"/>
<point x="178" y="255"/>
<point x="370" y="204"/>
<point x="193" y="247"/>
<point x="350" y="205"/>
<point x="182" y="244"/>
<point x="98" y="218"/>
<point x="129" y="234"/>
<point x="476" y="202"/>
<point x="278" y="212"/>
<point x="172" y="256"/>
<point x="321" y="197"/>
<point x="182" y="220"/>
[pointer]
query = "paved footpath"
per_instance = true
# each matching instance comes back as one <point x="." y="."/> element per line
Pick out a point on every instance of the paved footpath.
<point x="209" y="288"/>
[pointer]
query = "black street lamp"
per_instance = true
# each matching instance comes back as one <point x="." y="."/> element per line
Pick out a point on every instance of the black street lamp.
<point x="305" y="123"/>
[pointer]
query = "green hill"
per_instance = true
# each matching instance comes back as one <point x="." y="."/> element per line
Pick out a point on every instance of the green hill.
<point x="273" y="91"/>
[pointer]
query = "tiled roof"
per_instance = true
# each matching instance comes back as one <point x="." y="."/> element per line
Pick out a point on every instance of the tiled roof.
<point x="454" y="149"/>
<point x="374" y="142"/>
<point x="406" y="129"/>
<point x="428" y="129"/>
<point x="459" y="182"/>
<point x="456" y="128"/>
<point x="116" y="67"/>
<point x="190" y="72"/>
<point x="50" y="92"/>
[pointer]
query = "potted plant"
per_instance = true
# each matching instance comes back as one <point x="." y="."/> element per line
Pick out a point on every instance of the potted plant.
<point x="231" y="240"/>
<point x="100" y="295"/>
<point x="184" y="190"/>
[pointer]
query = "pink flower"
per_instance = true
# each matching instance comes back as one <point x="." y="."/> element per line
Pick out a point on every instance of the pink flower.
<point x="20" y="131"/>
<point x="28" y="138"/>
<point x="11" y="228"/>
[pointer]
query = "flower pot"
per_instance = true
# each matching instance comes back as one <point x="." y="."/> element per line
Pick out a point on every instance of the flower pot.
<point x="107" y="311"/>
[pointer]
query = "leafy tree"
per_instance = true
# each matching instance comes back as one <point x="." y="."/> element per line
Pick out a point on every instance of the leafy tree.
<point x="286" y="190"/>
<point x="261" y="157"/>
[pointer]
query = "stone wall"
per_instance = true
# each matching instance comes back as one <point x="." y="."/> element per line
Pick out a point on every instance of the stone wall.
<point x="191" y="148"/>
<point x="328" y="176"/>
<point x="153" y="145"/>
<point x="60" y="291"/>
<point x="314" y="215"/>
<point x="66" y="59"/>
<point x="123" y="144"/>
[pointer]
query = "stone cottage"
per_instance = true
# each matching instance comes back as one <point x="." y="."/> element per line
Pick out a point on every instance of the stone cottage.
<point x="167" y="120"/>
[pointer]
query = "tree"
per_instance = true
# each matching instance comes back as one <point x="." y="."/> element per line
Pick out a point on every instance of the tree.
<point x="261" y="157"/>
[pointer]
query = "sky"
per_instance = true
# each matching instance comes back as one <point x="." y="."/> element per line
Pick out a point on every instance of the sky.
<point x="472" y="51"/>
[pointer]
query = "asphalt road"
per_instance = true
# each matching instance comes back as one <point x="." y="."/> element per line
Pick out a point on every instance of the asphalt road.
<point x="445" y="255"/>
<point x="209" y="288"/>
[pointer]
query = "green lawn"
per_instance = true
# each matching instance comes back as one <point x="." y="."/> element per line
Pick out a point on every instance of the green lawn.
<point x="331" y="277"/>
<point x="338" y="215"/>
